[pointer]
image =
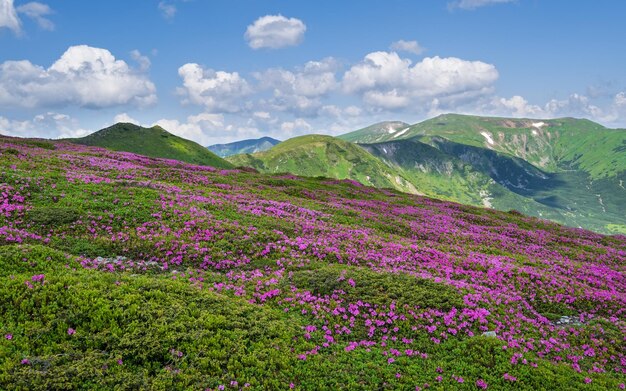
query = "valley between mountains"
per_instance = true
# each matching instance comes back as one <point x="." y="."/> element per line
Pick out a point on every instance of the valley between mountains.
<point x="571" y="171"/>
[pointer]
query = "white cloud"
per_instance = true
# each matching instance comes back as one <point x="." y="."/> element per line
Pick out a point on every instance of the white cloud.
<point x="263" y="115"/>
<point x="391" y="100"/>
<point x="407" y="46"/>
<point x="578" y="105"/>
<point x="123" y="117"/>
<point x="143" y="61"/>
<point x="299" y="91"/>
<point x="330" y="111"/>
<point x="619" y="109"/>
<point x="37" y="12"/>
<point x="275" y="31"/>
<point x="334" y="111"/>
<point x="168" y="11"/>
<point x="473" y="4"/>
<point x="387" y="81"/>
<point x="84" y="76"/>
<point x="208" y="128"/>
<point x="46" y="125"/>
<point x="218" y="91"/>
<point x="517" y="106"/>
<point x="197" y="128"/>
<point x="298" y="126"/>
<point x="353" y="111"/>
<point x="620" y="99"/>
<point x="8" y="16"/>
<point x="575" y="105"/>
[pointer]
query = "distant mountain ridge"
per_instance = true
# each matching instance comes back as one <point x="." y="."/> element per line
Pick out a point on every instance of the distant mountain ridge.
<point x="568" y="170"/>
<point x="319" y="155"/>
<point x="152" y="142"/>
<point x="550" y="144"/>
<point x="243" y="146"/>
<point x="380" y="131"/>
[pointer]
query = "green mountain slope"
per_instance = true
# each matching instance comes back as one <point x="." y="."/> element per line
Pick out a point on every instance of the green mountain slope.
<point x="152" y="142"/>
<point x="566" y="170"/>
<point x="479" y="176"/>
<point x="569" y="170"/>
<point x="554" y="145"/>
<point x="317" y="155"/>
<point x="437" y="173"/>
<point x="243" y="146"/>
<point x="381" y="131"/>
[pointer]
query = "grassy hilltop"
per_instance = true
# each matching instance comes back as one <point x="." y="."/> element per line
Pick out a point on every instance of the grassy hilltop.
<point x="153" y="142"/>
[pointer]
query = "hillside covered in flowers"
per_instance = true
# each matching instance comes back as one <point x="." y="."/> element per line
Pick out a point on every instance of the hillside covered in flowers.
<point x="118" y="270"/>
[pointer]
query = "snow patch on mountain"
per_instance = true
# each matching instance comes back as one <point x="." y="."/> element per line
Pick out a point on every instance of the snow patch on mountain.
<point x="400" y="133"/>
<point x="487" y="136"/>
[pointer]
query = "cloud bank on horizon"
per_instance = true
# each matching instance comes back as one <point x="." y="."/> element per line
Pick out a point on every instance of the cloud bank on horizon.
<point x="217" y="103"/>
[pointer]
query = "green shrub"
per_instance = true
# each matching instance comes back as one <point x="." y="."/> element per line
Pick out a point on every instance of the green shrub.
<point x="378" y="288"/>
<point x="53" y="216"/>
<point x="144" y="322"/>
<point x="35" y="259"/>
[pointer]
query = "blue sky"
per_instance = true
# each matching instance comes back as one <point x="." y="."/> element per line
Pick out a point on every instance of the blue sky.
<point x="217" y="71"/>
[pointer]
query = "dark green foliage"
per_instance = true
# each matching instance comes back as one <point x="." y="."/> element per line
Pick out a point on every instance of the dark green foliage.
<point x="53" y="216"/>
<point x="378" y="288"/>
<point x="142" y="321"/>
<point x="34" y="259"/>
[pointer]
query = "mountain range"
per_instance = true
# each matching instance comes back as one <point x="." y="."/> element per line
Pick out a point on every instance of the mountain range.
<point x="572" y="171"/>
<point x="243" y="146"/>
<point x="567" y="170"/>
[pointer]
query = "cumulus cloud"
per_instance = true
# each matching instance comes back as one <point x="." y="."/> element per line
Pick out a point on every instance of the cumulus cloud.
<point x="197" y="127"/>
<point x="385" y="80"/>
<point x="575" y="105"/>
<point x="299" y="90"/>
<point x="84" y="76"/>
<point x="8" y="16"/>
<point x="298" y="126"/>
<point x="218" y="91"/>
<point x="517" y="106"/>
<point x="123" y="117"/>
<point x="46" y="125"/>
<point x="275" y="31"/>
<point x="143" y="61"/>
<point x="168" y="11"/>
<point x="262" y="115"/>
<point x="334" y="111"/>
<point x="391" y="99"/>
<point x="620" y="99"/>
<point x="208" y="128"/>
<point x="407" y="46"/>
<point x="37" y="12"/>
<point x="473" y="4"/>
